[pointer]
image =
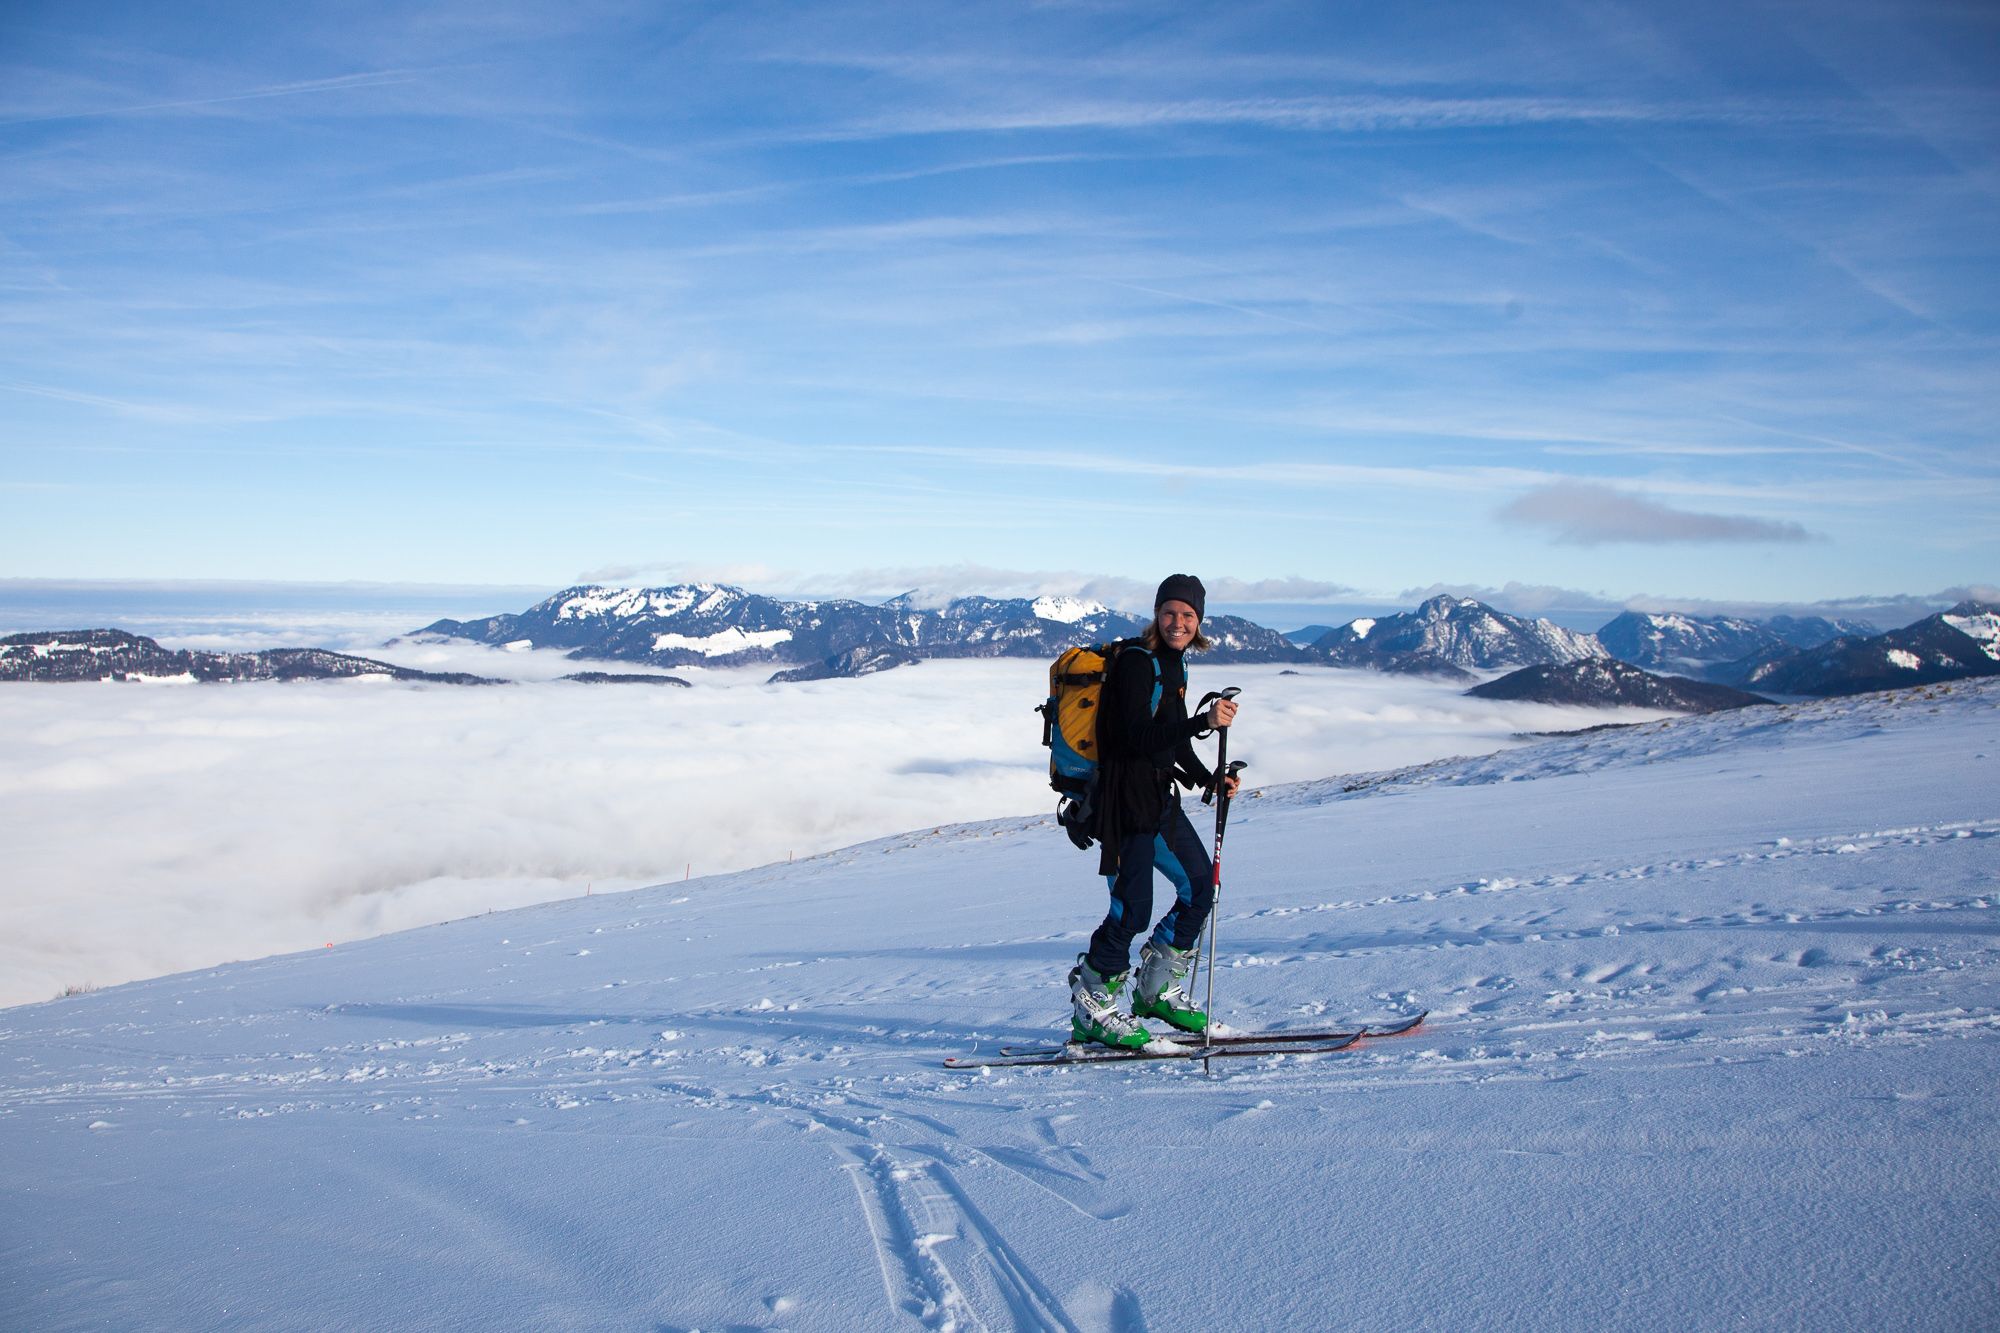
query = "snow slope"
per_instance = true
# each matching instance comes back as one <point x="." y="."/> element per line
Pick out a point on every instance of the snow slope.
<point x="1713" y="1045"/>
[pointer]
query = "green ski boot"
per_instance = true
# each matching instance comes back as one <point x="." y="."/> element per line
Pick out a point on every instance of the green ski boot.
<point x="1158" y="992"/>
<point x="1094" y="1015"/>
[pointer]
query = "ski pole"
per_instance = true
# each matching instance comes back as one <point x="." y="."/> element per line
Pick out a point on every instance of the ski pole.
<point x="1208" y="795"/>
<point x="1218" y="783"/>
<point x="1222" y="776"/>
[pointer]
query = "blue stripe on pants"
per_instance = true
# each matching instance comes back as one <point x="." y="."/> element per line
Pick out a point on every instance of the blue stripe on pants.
<point x="1176" y="852"/>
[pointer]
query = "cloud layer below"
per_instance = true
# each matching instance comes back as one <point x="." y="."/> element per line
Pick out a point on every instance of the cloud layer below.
<point x="158" y="828"/>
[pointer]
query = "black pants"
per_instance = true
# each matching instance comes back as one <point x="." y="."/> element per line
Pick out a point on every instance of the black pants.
<point x="1178" y="854"/>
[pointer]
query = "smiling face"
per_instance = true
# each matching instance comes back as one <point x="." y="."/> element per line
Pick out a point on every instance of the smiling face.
<point x="1177" y="622"/>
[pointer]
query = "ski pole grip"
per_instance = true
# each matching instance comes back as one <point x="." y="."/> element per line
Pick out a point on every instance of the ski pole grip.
<point x="1222" y="775"/>
<point x="1221" y="744"/>
<point x="1211" y="697"/>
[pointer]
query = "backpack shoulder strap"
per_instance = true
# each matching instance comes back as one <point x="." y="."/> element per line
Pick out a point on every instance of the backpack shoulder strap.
<point x="1136" y="646"/>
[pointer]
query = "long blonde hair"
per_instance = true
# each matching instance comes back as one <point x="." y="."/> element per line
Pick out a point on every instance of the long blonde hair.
<point x="1201" y="643"/>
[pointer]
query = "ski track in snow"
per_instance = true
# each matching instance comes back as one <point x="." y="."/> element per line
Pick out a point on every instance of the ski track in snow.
<point x="1632" y="957"/>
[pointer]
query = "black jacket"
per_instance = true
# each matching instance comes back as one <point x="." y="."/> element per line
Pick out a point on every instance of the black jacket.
<point x="1142" y="750"/>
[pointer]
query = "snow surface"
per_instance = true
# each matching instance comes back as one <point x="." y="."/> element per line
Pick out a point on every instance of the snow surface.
<point x="722" y="642"/>
<point x="628" y="603"/>
<point x="1067" y="610"/>
<point x="1713" y="1039"/>
<point x="154" y="831"/>
<point x="1984" y="628"/>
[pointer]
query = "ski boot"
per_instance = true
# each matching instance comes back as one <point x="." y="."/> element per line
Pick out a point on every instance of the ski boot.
<point x="1094" y="1015"/>
<point x="1158" y="993"/>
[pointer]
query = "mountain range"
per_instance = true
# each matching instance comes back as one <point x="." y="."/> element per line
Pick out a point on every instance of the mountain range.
<point x="1951" y="645"/>
<point x="1450" y="637"/>
<point x="711" y="625"/>
<point x="1677" y="641"/>
<point x="112" y="654"/>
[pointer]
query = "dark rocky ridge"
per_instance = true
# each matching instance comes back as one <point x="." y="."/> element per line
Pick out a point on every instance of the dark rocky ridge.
<point x="866" y="660"/>
<point x="1239" y="640"/>
<point x="112" y="654"/>
<point x="1812" y="631"/>
<point x="1951" y="645"/>
<point x="1606" y="682"/>
<point x="1673" y="640"/>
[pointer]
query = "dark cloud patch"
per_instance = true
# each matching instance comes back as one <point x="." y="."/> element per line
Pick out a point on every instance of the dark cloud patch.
<point x="1587" y="514"/>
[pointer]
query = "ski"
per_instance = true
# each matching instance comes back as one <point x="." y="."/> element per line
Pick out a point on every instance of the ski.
<point x="1102" y="1055"/>
<point x="1369" y="1030"/>
<point x="1257" y="1038"/>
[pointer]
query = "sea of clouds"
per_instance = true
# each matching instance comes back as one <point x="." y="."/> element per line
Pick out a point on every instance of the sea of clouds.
<point x="155" y="828"/>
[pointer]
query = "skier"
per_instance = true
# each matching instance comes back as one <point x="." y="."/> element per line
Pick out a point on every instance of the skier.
<point x="1143" y="749"/>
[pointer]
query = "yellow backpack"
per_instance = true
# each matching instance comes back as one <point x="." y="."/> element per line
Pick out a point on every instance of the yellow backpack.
<point x="1069" y="728"/>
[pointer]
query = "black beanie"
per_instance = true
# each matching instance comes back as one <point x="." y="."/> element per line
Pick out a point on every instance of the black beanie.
<point x="1182" y="588"/>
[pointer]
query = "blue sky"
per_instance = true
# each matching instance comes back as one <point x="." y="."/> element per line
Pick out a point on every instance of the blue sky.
<point x="1341" y="301"/>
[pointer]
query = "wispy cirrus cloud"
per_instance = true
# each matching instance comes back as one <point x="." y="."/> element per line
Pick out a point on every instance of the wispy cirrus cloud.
<point x="840" y="288"/>
<point x="1362" y="113"/>
<point x="1588" y="514"/>
<point x="339" y="83"/>
<point x="1280" y="473"/>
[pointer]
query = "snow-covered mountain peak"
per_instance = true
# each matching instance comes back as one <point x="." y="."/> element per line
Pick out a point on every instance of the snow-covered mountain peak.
<point x="1066" y="610"/>
<point x="1444" y="606"/>
<point x="1977" y="620"/>
<point x="599" y="603"/>
<point x="1449" y="634"/>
